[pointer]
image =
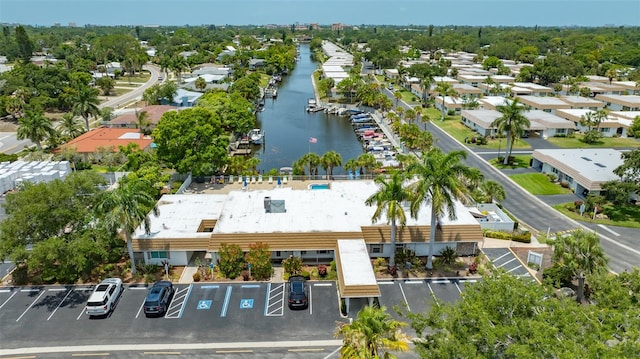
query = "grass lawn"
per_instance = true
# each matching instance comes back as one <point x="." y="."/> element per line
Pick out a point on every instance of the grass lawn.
<point x="538" y="184"/>
<point x="408" y="97"/>
<point x="623" y="216"/>
<point x="455" y="128"/>
<point x="605" y="142"/>
<point x="520" y="161"/>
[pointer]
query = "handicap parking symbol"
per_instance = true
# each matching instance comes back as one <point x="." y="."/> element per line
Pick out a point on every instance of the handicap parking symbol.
<point x="204" y="304"/>
<point x="246" y="303"/>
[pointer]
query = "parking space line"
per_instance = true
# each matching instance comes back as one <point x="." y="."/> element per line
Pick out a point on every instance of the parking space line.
<point x="142" y="306"/>
<point x="81" y="312"/>
<point x="499" y="258"/>
<point x="138" y="288"/>
<point x="441" y="281"/>
<point x="310" y="301"/>
<point x="470" y="280"/>
<point x="5" y="290"/>
<point x="274" y="298"/>
<point x="89" y="354"/>
<point x="59" y="304"/>
<point x="404" y="297"/>
<point x="507" y="262"/>
<point x="458" y="287"/>
<point x="29" y="290"/>
<point x="250" y="286"/>
<point x="432" y="293"/>
<point x="322" y="285"/>
<point x="8" y="299"/>
<point x="386" y="283"/>
<point x="178" y="302"/>
<point x="225" y="305"/>
<point x="32" y="303"/>
<point x="57" y="289"/>
<point x="209" y="286"/>
<point x="512" y="269"/>
<point x="83" y="289"/>
<point x="413" y="282"/>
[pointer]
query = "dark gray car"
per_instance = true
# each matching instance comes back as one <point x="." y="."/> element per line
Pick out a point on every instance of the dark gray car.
<point x="158" y="298"/>
<point x="298" y="298"/>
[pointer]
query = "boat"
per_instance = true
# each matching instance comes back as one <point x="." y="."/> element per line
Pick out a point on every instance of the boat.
<point x="256" y="136"/>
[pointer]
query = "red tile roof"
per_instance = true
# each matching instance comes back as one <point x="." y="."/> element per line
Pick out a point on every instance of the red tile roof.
<point x="107" y="137"/>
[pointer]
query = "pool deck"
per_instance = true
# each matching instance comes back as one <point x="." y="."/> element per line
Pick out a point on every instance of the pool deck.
<point x="211" y="188"/>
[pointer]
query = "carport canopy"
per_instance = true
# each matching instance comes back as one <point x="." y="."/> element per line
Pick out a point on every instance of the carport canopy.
<point x="355" y="272"/>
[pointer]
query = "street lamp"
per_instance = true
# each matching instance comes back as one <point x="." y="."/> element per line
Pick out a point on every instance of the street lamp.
<point x="499" y="143"/>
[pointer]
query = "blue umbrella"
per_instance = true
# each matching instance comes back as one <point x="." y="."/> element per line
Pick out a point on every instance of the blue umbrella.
<point x="279" y="182"/>
<point x="245" y="182"/>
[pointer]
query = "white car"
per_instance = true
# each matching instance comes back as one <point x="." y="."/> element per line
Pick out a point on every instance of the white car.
<point x="104" y="297"/>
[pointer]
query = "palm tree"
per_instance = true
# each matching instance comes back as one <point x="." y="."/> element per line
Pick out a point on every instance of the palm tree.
<point x="125" y="208"/>
<point x="442" y="179"/>
<point x="85" y="104"/>
<point x="142" y="121"/>
<point x="70" y="126"/>
<point x="372" y="335"/>
<point x="330" y="160"/>
<point x="493" y="190"/>
<point x="410" y="115"/>
<point x="445" y="89"/>
<point x="179" y="65"/>
<point x="200" y="84"/>
<point x="312" y="160"/>
<point x="512" y="122"/>
<point x="35" y="127"/>
<point x="388" y="200"/>
<point x="580" y="254"/>
<point x="398" y="96"/>
<point x="351" y="165"/>
<point x="368" y="162"/>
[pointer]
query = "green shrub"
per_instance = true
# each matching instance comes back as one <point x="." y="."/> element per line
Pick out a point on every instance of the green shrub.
<point x="306" y="275"/>
<point x="448" y="255"/>
<point x="380" y="262"/>
<point x="292" y="265"/>
<point x="196" y="276"/>
<point x="556" y="276"/>
<point x="149" y="278"/>
<point x="332" y="265"/>
<point x="520" y="236"/>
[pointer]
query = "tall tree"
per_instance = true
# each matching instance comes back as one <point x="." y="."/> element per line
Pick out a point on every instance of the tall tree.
<point x="125" y="208"/>
<point x="329" y="161"/>
<point x="445" y="89"/>
<point x="512" y="122"/>
<point x="25" y="46"/>
<point x="579" y="254"/>
<point x="70" y="126"/>
<point x="493" y="190"/>
<point x="389" y="200"/>
<point x="142" y="122"/>
<point x="592" y="121"/>
<point x="85" y="104"/>
<point x="372" y="335"/>
<point x="35" y="127"/>
<point x="442" y="179"/>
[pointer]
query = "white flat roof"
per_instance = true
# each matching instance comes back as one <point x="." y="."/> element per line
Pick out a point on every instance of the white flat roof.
<point x="338" y="209"/>
<point x="595" y="164"/>
<point x="356" y="263"/>
<point x="544" y="101"/>
<point x="495" y="100"/>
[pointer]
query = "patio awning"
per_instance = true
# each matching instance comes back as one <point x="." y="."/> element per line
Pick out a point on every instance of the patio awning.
<point x="355" y="272"/>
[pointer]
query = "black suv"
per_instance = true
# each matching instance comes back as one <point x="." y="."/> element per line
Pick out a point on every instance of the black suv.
<point x="298" y="293"/>
<point x="158" y="298"/>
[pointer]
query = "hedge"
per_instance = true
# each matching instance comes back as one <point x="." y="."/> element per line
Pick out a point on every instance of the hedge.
<point x="523" y="237"/>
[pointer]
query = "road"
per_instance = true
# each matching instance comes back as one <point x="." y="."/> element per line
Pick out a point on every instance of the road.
<point x="620" y="244"/>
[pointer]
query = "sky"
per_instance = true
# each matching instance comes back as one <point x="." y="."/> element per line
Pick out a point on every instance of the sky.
<point x="323" y="12"/>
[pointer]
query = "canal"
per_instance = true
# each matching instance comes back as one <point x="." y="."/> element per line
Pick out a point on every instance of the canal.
<point x="288" y="127"/>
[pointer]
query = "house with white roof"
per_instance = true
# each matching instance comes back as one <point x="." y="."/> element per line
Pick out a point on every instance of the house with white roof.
<point x="621" y="102"/>
<point x="585" y="169"/>
<point x="492" y="102"/>
<point x="580" y="102"/>
<point x="529" y="88"/>
<point x="543" y="103"/>
<point x="542" y="123"/>
<point x="609" y="127"/>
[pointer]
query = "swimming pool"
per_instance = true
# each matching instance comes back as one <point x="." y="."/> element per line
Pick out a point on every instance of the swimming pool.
<point x="319" y="186"/>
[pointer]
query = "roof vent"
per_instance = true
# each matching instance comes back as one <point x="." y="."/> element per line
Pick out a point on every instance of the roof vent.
<point x="600" y="165"/>
<point x="586" y="158"/>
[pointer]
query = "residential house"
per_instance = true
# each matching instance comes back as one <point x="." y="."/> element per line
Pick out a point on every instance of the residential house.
<point x="609" y="127"/>
<point x="90" y="143"/>
<point x="542" y="123"/>
<point x="528" y="88"/>
<point x="584" y="170"/>
<point x="579" y="102"/>
<point x="129" y="119"/>
<point x="543" y="103"/>
<point x="621" y="102"/>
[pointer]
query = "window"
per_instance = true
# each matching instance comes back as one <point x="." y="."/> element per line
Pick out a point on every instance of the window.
<point x="278" y="254"/>
<point x="158" y="254"/>
<point x="322" y="252"/>
<point x="376" y="248"/>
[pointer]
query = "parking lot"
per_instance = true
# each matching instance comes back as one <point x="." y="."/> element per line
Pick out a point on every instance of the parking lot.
<point x="226" y="312"/>
<point x="416" y="296"/>
<point x="505" y="259"/>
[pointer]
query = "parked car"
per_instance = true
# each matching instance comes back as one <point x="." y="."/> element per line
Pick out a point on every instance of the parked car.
<point x="104" y="297"/>
<point x="158" y="298"/>
<point x="298" y="298"/>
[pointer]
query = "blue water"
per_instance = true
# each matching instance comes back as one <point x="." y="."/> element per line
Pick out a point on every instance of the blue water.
<point x="318" y="186"/>
<point x="288" y="127"/>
